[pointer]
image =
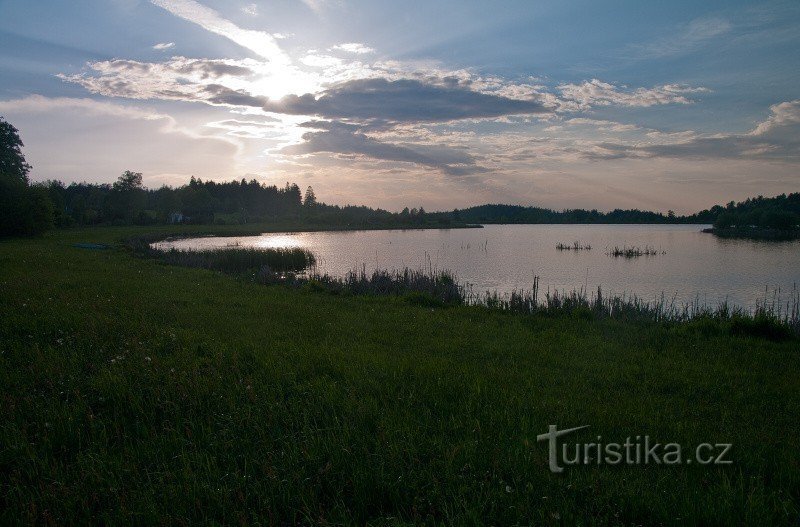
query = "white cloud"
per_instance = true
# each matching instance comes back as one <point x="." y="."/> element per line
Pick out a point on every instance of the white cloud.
<point x="315" y="5"/>
<point x="321" y="61"/>
<point x="783" y="115"/>
<point x="259" y="42"/>
<point x="250" y="9"/>
<point x="598" y="93"/>
<point x="354" y="47"/>
<point x="161" y="46"/>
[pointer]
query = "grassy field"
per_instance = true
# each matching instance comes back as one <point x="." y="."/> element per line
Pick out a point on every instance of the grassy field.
<point x="135" y="392"/>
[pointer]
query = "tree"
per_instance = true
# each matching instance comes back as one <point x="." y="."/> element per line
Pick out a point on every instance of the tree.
<point x="779" y="219"/>
<point x="24" y="210"/>
<point x="128" y="181"/>
<point x="725" y="220"/>
<point x="127" y="197"/>
<point x="310" y="199"/>
<point x="12" y="162"/>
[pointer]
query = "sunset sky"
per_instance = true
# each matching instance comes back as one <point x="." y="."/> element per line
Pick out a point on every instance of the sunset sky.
<point x="441" y="104"/>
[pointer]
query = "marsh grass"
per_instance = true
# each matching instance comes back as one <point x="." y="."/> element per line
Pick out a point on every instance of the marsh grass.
<point x="419" y="286"/>
<point x="775" y="317"/>
<point x="633" y="251"/>
<point x="576" y="246"/>
<point x="232" y="259"/>
<point x="241" y="260"/>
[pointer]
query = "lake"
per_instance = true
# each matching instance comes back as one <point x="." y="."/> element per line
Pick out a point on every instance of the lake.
<point x="690" y="265"/>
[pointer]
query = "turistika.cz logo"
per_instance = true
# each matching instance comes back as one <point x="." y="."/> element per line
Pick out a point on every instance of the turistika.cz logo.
<point x="634" y="451"/>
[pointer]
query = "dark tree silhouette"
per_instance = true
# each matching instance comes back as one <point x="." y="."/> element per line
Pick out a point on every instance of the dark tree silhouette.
<point x="24" y="210"/>
<point x="310" y="199"/>
<point x="12" y="162"/>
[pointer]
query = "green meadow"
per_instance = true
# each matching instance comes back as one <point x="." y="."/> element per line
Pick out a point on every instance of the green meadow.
<point x="137" y="392"/>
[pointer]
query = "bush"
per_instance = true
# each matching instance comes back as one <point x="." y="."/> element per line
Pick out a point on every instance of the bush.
<point x="24" y="210"/>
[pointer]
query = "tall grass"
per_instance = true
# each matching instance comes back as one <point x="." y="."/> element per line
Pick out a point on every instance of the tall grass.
<point x="242" y="260"/>
<point x="633" y="251"/>
<point x="576" y="246"/>
<point x="776" y="317"/>
<point x="232" y="259"/>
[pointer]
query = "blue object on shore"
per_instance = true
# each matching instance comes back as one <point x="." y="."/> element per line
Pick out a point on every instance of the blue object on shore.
<point x="93" y="246"/>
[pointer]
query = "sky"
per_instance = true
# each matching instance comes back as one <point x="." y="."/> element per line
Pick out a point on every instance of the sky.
<point x="441" y="104"/>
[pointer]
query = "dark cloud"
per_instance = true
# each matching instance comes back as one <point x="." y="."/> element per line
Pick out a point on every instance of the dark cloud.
<point x="213" y="69"/>
<point x="218" y="94"/>
<point x="403" y="101"/>
<point x="338" y="140"/>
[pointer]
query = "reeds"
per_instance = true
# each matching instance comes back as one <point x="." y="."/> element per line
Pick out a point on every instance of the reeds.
<point x="232" y="259"/>
<point x="242" y="260"/>
<point x="432" y="286"/>
<point x="576" y="246"/>
<point x="774" y="317"/>
<point x="633" y="251"/>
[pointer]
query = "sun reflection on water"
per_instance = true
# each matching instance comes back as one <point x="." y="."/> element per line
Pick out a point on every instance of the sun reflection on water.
<point x="280" y="241"/>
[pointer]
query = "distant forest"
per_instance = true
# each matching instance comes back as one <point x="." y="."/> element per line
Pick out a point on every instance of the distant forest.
<point x="779" y="212"/>
<point x="127" y="202"/>
<point x="240" y="202"/>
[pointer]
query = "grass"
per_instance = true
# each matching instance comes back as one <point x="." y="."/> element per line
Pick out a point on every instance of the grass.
<point x="138" y="392"/>
<point x="576" y="246"/>
<point x="633" y="251"/>
<point x="240" y="260"/>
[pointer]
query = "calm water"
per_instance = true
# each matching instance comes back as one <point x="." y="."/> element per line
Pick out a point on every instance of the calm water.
<point x="506" y="257"/>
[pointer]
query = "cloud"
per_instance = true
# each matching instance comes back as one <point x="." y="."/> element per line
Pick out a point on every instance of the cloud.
<point x="179" y="78"/>
<point x="222" y="95"/>
<point x="602" y="125"/>
<point x="404" y="100"/>
<point x="250" y="129"/>
<point x="316" y="6"/>
<point x="776" y="139"/>
<point x="599" y="93"/>
<point x="250" y="9"/>
<point x="685" y="39"/>
<point x="164" y="46"/>
<point x="261" y="43"/>
<point x="342" y="140"/>
<point x="784" y="115"/>
<point x="354" y="47"/>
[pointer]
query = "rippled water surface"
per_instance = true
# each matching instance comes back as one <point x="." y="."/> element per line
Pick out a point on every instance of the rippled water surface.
<point x="693" y="265"/>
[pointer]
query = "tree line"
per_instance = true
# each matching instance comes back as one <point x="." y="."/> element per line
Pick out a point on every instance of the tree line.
<point x="780" y="213"/>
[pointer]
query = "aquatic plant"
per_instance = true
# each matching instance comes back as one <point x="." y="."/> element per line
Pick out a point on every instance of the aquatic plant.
<point x="576" y="246"/>
<point x="232" y="259"/>
<point x="633" y="251"/>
